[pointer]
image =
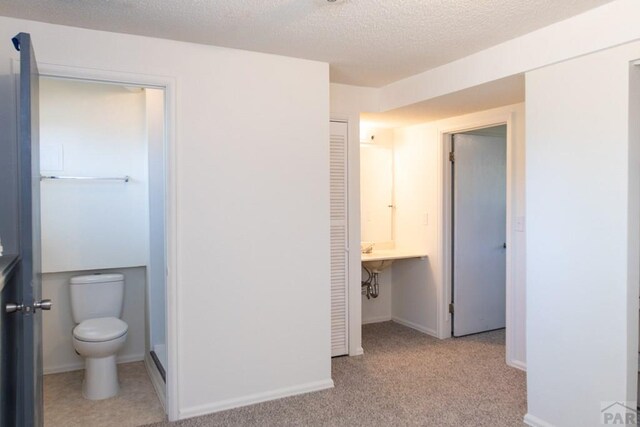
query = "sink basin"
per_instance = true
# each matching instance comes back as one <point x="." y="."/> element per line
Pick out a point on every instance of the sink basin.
<point x="376" y="266"/>
<point x="382" y="259"/>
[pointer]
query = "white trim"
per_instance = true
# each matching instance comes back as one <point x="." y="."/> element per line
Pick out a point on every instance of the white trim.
<point x="443" y="231"/>
<point x="444" y="227"/>
<point x="60" y="71"/>
<point x="354" y="303"/>
<point x="255" y="398"/>
<point x="169" y="84"/>
<point x="79" y="365"/>
<point x="156" y="380"/>
<point x="377" y="319"/>
<point x="533" y="421"/>
<point x="415" y="326"/>
<point x="171" y="236"/>
<point x="518" y="364"/>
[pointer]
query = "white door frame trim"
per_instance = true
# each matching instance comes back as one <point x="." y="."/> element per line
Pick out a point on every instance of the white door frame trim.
<point x="169" y="85"/>
<point x="445" y="224"/>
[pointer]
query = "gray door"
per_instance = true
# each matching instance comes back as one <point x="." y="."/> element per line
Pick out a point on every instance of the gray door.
<point x="479" y="233"/>
<point x="30" y="273"/>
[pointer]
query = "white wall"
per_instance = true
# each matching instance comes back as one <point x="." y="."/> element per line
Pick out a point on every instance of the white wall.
<point x="582" y="249"/>
<point x="347" y="100"/>
<point x="414" y="294"/>
<point x="154" y="108"/>
<point x="418" y="283"/>
<point x="252" y="208"/>
<point x="90" y="129"/>
<point x="58" y="352"/>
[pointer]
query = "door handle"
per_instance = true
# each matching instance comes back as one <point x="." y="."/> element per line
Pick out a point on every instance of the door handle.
<point x="44" y="304"/>
<point x="11" y="307"/>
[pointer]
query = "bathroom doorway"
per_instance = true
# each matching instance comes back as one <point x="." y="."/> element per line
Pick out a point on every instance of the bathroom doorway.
<point x="478" y="232"/>
<point x="506" y="125"/>
<point x="104" y="160"/>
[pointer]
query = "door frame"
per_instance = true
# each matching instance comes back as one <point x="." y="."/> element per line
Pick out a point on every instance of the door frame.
<point x="169" y="85"/>
<point x="445" y="221"/>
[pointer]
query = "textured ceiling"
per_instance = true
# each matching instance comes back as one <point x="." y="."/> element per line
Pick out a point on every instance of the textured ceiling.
<point x="367" y="42"/>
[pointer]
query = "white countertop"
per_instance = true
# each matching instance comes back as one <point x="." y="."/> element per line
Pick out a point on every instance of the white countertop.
<point x="385" y="254"/>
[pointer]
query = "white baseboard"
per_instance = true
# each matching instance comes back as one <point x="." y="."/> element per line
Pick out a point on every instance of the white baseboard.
<point x="519" y="364"/>
<point x="415" y="326"/>
<point x="76" y="366"/>
<point x="156" y="380"/>
<point x="359" y="352"/>
<point x="376" y="319"/>
<point x="533" y="421"/>
<point x="254" y="398"/>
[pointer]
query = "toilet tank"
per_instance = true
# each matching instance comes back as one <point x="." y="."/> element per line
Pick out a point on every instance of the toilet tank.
<point x="96" y="295"/>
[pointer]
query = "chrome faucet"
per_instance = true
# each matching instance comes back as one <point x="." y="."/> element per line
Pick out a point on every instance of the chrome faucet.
<point x="367" y="249"/>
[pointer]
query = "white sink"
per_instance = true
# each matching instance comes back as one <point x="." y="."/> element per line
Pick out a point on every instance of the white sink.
<point x="381" y="259"/>
<point x="376" y="266"/>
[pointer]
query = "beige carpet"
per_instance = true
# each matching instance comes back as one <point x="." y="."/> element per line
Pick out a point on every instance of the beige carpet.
<point x="136" y="404"/>
<point x="404" y="378"/>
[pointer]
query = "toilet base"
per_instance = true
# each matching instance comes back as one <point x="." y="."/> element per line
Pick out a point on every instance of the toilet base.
<point x="100" y="378"/>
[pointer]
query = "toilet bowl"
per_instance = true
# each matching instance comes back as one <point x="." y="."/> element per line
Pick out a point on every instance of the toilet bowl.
<point x="98" y="341"/>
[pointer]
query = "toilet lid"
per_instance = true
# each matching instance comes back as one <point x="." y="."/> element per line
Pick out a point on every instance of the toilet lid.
<point x="101" y="329"/>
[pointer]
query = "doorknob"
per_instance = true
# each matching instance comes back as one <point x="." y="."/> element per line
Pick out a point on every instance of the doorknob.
<point x="11" y="307"/>
<point x="44" y="304"/>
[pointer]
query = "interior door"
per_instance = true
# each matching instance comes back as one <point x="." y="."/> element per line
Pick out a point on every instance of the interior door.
<point x="30" y="353"/>
<point x="479" y="233"/>
<point x="339" y="238"/>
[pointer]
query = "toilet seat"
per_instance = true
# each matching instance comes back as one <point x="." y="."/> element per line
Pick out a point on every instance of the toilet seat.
<point x="100" y="329"/>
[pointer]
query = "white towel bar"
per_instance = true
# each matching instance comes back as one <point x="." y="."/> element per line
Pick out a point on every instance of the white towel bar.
<point x="125" y="178"/>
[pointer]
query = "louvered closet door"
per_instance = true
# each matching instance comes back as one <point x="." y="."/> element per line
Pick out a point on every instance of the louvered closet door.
<point x="339" y="238"/>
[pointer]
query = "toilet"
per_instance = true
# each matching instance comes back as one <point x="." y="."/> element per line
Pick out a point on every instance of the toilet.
<point x="96" y="306"/>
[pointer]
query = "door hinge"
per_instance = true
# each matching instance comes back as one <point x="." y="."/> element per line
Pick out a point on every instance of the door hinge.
<point x="452" y="156"/>
<point x="451" y="308"/>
